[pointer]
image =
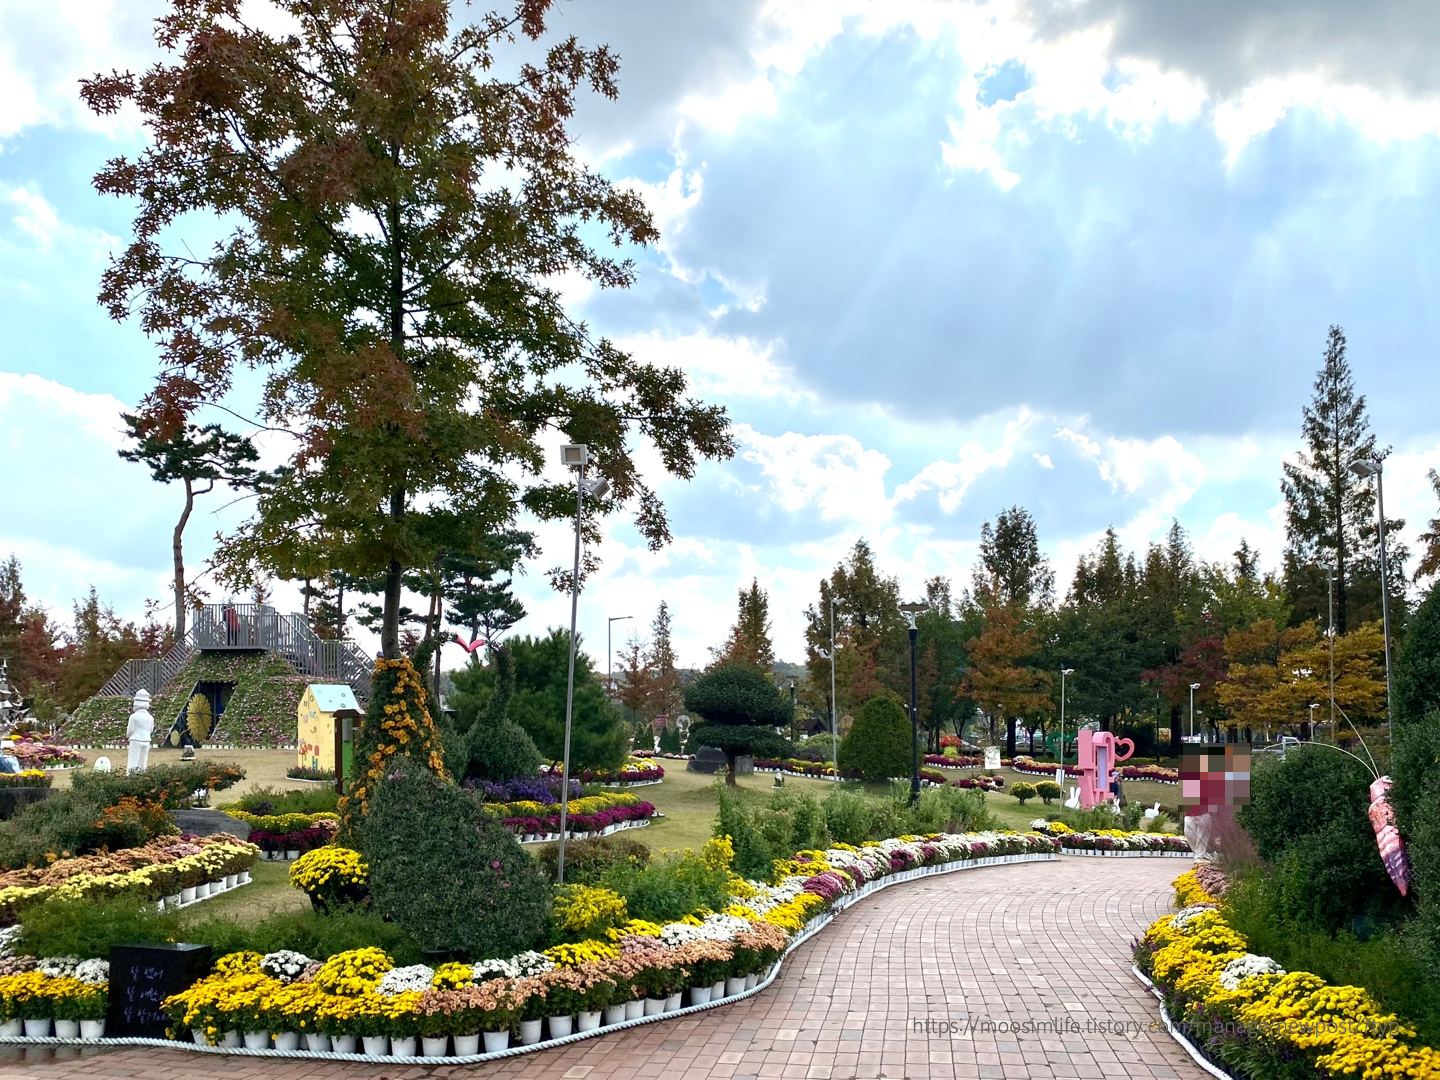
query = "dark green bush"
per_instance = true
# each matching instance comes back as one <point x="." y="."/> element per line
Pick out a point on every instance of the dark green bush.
<point x="848" y="815"/>
<point x="949" y="809"/>
<point x="500" y="751"/>
<point x="670" y="740"/>
<point x="87" y="928"/>
<point x="586" y="861"/>
<point x="1308" y="817"/>
<point x="170" y="785"/>
<point x="448" y="873"/>
<point x="670" y="887"/>
<point x="1417" y="664"/>
<point x="753" y="854"/>
<point x="878" y="744"/>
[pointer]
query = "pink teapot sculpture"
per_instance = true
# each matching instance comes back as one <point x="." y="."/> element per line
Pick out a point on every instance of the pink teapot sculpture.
<point x="1099" y="753"/>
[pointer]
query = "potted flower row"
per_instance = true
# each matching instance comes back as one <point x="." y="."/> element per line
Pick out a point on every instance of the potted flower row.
<point x="197" y="877"/>
<point x="36" y="1005"/>
<point x="603" y="822"/>
<point x="290" y="845"/>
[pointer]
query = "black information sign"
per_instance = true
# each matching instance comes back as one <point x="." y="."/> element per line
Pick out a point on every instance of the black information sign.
<point x="141" y="977"/>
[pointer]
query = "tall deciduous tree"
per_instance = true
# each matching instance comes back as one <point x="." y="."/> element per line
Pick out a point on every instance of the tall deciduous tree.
<point x="872" y="650"/>
<point x="1329" y="512"/>
<point x="1011" y="563"/>
<point x="664" y="697"/>
<point x="1001" y="679"/>
<point x="402" y="211"/>
<point x="29" y="641"/>
<point x="199" y="458"/>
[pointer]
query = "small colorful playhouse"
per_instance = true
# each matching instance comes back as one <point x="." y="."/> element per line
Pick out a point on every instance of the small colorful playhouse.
<point x="320" y="707"/>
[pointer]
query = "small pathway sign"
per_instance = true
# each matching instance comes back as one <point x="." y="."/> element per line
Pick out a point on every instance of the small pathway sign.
<point x="141" y="977"/>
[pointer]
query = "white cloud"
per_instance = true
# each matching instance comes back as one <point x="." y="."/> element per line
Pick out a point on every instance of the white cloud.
<point x="833" y="474"/>
<point x="719" y="367"/>
<point x="952" y="479"/>
<point x="42" y="227"/>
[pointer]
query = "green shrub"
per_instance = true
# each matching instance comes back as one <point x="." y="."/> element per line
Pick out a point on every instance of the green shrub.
<point x="669" y="887"/>
<point x="878" y="743"/>
<point x="87" y="928"/>
<point x="495" y="747"/>
<point x="753" y="853"/>
<point x="170" y="785"/>
<point x="586" y="861"/>
<point x="317" y="936"/>
<point x="848" y="815"/>
<point x="1049" y="791"/>
<point x="1308" y="817"/>
<point x="267" y="800"/>
<point x="1023" y="791"/>
<point x="670" y="740"/>
<point x="948" y="809"/>
<point x="448" y="873"/>
<point x="1417" y="664"/>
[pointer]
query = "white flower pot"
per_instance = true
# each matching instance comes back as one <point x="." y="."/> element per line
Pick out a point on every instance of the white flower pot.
<point x="495" y="1040"/>
<point x="402" y="1048"/>
<point x="231" y="880"/>
<point x="376" y="1045"/>
<point x="231" y="1040"/>
<point x="717" y="991"/>
<point x="437" y="1046"/>
<point x="202" y="892"/>
<point x="734" y="986"/>
<point x="699" y="995"/>
<point x="217" y="886"/>
<point x="199" y="1037"/>
<point x="343" y="1044"/>
<point x="634" y="1009"/>
<point x="92" y="1029"/>
<point x="12" y="1029"/>
<point x="672" y="1003"/>
<point x="257" y="1040"/>
<point x="530" y="1032"/>
<point x="187" y="895"/>
<point x="587" y="1021"/>
<point x="615" y="1014"/>
<point x="317" y="1044"/>
<point x="752" y="980"/>
<point x="173" y="900"/>
<point x="467" y="1045"/>
<point x="37" y="1029"/>
<point x="67" y="1029"/>
<point x="291" y="856"/>
<point x="287" y="1040"/>
<point x="244" y="877"/>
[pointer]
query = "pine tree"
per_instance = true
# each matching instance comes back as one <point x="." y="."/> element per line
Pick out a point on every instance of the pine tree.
<point x="1011" y="563"/>
<point x="1329" y="512"/>
<point x="662" y="670"/>
<point x="749" y="640"/>
<point x="1430" y="557"/>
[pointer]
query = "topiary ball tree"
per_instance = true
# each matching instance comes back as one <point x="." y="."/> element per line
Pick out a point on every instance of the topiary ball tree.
<point x="739" y="706"/>
<point x="446" y="872"/>
<point x="877" y="746"/>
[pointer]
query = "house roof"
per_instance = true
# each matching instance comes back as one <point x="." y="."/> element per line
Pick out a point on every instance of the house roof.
<point x="332" y="697"/>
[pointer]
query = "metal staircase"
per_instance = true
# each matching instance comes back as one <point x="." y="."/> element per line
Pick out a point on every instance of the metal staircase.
<point x="248" y="628"/>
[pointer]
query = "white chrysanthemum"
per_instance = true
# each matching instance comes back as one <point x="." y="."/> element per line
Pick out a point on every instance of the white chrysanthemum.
<point x="1244" y="967"/>
<point x="285" y="965"/>
<point x="493" y="969"/>
<point x="531" y="962"/>
<point x="415" y="978"/>
<point x="59" y="967"/>
<point x="1185" y="915"/>
<point x="94" y="972"/>
<point x="9" y="939"/>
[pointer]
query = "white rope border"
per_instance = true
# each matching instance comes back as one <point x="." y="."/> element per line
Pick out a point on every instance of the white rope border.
<point x="1188" y="1046"/>
<point x="813" y="927"/>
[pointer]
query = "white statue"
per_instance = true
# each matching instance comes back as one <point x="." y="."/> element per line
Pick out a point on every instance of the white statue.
<point x="138" y="731"/>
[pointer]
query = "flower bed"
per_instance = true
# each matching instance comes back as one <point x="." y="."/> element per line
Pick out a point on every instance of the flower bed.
<point x="294" y="842"/>
<point x="1113" y="841"/>
<point x="359" y="1000"/>
<point x="1257" y="1019"/>
<point x="46" y="754"/>
<point x="165" y="869"/>
<point x="1157" y="774"/>
<point x="583" y="822"/>
<point x="797" y="766"/>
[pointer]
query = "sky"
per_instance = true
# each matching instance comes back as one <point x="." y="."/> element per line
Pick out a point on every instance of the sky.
<point x="935" y="258"/>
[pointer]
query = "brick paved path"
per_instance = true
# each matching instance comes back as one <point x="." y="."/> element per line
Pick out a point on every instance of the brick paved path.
<point x="1005" y="943"/>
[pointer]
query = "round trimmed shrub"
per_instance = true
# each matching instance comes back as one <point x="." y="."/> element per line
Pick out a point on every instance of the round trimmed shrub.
<point x="740" y="706"/>
<point x="1024" y="792"/>
<point x="448" y="873"/>
<point x="877" y="745"/>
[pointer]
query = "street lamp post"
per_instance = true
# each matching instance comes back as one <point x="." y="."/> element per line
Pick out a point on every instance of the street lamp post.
<point x="834" y="705"/>
<point x="1193" y="687"/>
<point x="609" y="651"/>
<point x="575" y="456"/>
<point x="911" y="612"/>
<point x="1330" y="633"/>
<point x="1313" y="706"/>
<point x="1362" y="468"/>
<point x="1060" y="769"/>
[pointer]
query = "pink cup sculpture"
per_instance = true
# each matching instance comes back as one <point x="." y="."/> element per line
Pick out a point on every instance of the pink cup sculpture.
<point x="1099" y="753"/>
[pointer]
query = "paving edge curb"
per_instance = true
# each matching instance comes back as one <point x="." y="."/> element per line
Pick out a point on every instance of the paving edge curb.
<point x="1185" y="1043"/>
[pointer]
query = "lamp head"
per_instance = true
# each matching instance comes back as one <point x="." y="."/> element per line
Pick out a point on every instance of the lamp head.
<point x="1067" y="671"/>
<point x="1363" y="467"/>
<point x="574" y="455"/>
<point x="912" y="612"/>
<point x="1194" y="686"/>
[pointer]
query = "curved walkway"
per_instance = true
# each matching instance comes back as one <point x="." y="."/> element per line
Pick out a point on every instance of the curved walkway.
<point x="959" y="954"/>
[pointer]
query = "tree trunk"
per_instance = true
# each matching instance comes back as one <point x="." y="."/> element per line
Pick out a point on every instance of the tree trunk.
<point x="729" y="769"/>
<point x="390" y="618"/>
<point x="1176" y="747"/>
<point x="1010" y="723"/>
<point x="177" y="550"/>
